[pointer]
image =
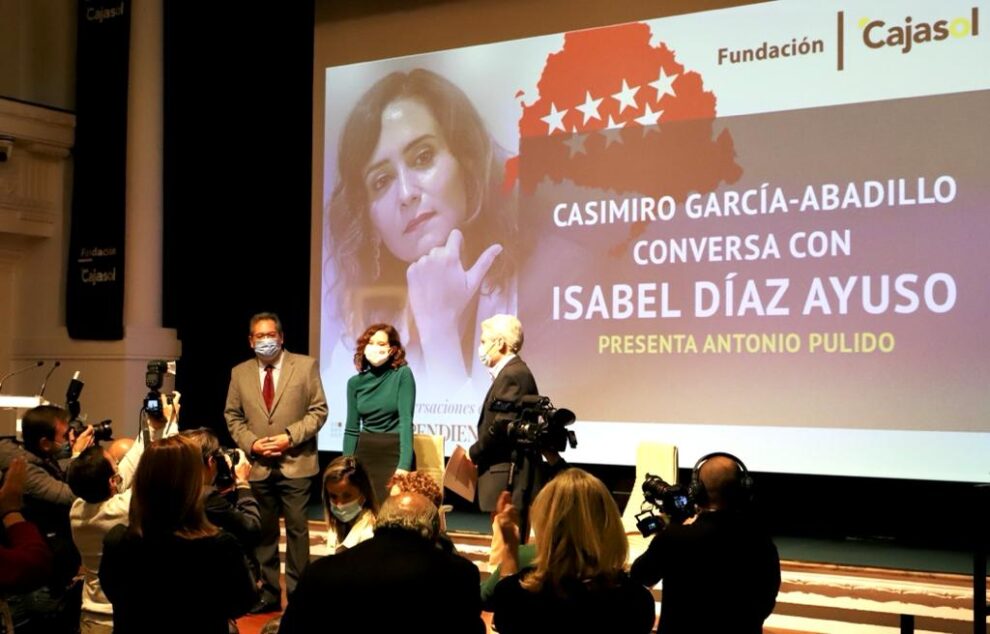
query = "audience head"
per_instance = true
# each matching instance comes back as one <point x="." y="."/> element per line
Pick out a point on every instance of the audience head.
<point x="45" y="430"/>
<point x="720" y="482"/>
<point x="209" y="448"/>
<point x="346" y="492"/>
<point x="416" y="482"/>
<point x="579" y="533"/>
<point x="167" y="493"/>
<point x="119" y="448"/>
<point x="422" y="483"/>
<point x="410" y="512"/>
<point x="93" y="475"/>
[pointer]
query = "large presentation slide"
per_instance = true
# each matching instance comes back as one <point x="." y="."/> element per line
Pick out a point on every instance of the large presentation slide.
<point x="760" y="230"/>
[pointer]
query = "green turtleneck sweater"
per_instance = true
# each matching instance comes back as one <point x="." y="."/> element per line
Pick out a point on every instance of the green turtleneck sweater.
<point x="381" y="400"/>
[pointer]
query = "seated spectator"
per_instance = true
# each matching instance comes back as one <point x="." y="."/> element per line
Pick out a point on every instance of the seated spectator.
<point x="171" y="555"/>
<point x="119" y="448"/>
<point x="425" y="588"/>
<point x="349" y="504"/>
<point x="229" y="501"/>
<point x="103" y="488"/>
<point x="577" y="582"/>
<point x="720" y="569"/>
<point x="425" y="485"/>
<point x="416" y="482"/>
<point x="25" y="561"/>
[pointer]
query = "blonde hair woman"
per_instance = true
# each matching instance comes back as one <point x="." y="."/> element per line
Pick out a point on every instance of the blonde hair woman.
<point x="577" y="581"/>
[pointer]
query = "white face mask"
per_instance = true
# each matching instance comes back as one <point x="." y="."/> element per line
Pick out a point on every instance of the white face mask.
<point x="346" y="512"/>
<point x="484" y="353"/>
<point x="267" y="348"/>
<point x="376" y="355"/>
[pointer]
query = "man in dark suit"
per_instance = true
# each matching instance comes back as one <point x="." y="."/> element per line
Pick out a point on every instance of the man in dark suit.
<point x="720" y="568"/>
<point x="275" y="407"/>
<point x="402" y="569"/>
<point x="492" y="454"/>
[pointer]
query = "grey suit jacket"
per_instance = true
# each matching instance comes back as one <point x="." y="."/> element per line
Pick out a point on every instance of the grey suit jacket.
<point x="300" y="407"/>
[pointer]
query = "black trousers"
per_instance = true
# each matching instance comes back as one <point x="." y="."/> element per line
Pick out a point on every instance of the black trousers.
<point x="287" y="497"/>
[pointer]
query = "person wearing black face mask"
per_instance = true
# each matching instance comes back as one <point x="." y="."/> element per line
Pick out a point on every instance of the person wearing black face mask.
<point x="380" y="402"/>
<point x="275" y="408"/>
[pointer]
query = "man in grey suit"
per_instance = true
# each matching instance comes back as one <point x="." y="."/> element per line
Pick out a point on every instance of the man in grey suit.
<point x="275" y="408"/>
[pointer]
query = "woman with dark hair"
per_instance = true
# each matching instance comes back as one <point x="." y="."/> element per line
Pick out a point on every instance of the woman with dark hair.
<point x="577" y="582"/>
<point x="380" y="402"/>
<point x="419" y="173"/>
<point x="171" y="554"/>
<point x="349" y="504"/>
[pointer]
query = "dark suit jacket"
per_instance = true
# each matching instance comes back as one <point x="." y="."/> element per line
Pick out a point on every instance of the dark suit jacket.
<point x="720" y="574"/>
<point x="416" y="586"/>
<point x="300" y="408"/>
<point x="492" y="453"/>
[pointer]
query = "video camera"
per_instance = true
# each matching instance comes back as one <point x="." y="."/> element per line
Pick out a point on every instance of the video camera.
<point x="671" y="500"/>
<point x="532" y="422"/>
<point x="77" y="422"/>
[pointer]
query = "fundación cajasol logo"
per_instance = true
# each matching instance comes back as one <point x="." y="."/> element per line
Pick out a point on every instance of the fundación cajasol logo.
<point x="910" y="31"/>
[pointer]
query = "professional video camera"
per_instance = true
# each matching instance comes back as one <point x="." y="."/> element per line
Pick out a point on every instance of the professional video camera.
<point x="532" y="422"/>
<point x="77" y="422"/>
<point x="668" y="499"/>
<point x="154" y="379"/>
<point x="225" y="474"/>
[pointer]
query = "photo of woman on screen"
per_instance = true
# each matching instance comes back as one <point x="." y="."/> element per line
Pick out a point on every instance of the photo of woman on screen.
<point x="422" y="230"/>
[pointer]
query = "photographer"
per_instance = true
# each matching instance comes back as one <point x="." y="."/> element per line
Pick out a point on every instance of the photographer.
<point x="103" y="487"/>
<point x="228" y="500"/>
<point x="720" y="569"/>
<point x="49" y="445"/>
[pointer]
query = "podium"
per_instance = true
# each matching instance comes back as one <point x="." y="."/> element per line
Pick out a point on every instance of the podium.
<point x="11" y="410"/>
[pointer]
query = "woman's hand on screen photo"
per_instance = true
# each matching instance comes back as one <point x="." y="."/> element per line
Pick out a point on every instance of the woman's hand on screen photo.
<point x="440" y="290"/>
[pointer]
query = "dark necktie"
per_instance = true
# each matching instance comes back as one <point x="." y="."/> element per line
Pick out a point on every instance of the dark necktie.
<point x="269" y="390"/>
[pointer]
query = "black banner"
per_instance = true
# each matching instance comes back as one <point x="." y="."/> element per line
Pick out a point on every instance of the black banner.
<point x="95" y="284"/>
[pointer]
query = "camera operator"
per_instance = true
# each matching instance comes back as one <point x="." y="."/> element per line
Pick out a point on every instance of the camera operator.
<point x="104" y="489"/>
<point x="720" y="569"/>
<point x="228" y="500"/>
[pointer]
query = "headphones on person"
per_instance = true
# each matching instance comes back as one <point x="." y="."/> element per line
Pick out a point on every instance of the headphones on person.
<point x="743" y="492"/>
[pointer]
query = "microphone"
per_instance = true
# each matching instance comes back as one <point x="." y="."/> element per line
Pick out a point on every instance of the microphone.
<point x="44" y="383"/>
<point x="18" y="371"/>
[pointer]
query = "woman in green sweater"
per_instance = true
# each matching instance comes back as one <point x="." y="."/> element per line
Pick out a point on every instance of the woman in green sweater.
<point x="380" y="402"/>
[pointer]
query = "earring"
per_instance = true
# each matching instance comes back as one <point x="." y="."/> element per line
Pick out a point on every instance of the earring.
<point x="376" y="257"/>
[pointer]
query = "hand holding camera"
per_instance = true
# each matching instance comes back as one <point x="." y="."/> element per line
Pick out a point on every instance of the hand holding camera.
<point x="671" y="501"/>
<point x="242" y="468"/>
<point x="102" y="430"/>
<point x="82" y="440"/>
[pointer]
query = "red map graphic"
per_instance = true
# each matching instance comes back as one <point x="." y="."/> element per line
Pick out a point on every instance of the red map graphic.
<point x="618" y="114"/>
